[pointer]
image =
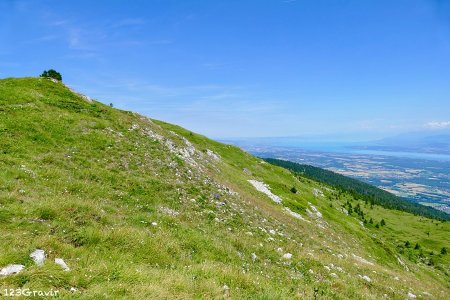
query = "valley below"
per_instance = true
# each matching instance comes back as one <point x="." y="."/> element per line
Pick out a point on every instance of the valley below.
<point x="420" y="177"/>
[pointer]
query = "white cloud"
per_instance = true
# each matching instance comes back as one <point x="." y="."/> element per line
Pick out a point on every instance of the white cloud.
<point x="438" y="124"/>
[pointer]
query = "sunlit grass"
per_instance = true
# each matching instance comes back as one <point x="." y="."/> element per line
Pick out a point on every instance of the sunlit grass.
<point x="86" y="182"/>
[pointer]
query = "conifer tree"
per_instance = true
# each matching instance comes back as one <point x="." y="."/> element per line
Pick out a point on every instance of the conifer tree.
<point x="52" y="74"/>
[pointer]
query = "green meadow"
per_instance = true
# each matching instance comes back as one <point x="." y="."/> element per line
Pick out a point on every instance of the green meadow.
<point x="143" y="209"/>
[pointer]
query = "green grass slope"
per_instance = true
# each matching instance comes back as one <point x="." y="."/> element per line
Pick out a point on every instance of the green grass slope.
<point x="142" y="209"/>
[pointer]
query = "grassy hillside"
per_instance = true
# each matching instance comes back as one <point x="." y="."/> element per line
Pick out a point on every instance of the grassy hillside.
<point x="360" y="189"/>
<point x="142" y="209"/>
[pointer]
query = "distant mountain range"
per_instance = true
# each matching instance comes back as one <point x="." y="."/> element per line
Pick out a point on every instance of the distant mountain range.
<point x="420" y="142"/>
<point x="412" y="142"/>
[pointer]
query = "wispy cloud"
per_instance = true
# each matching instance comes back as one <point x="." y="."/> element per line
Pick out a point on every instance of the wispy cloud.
<point x="91" y="36"/>
<point x="438" y="124"/>
<point x="43" y="39"/>
<point x="74" y="38"/>
<point x="83" y="40"/>
<point x="40" y="41"/>
<point x="161" y="42"/>
<point x="128" y="22"/>
<point x="154" y="89"/>
<point x="75" y="35"/>
<point x="215" y="66"/>
<point x="58" y="23"/>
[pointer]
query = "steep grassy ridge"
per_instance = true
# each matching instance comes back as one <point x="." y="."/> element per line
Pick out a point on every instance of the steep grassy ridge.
<point x="141" y="209"/>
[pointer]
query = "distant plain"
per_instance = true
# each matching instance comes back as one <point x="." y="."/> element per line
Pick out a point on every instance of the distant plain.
<point x="420" y="177"/>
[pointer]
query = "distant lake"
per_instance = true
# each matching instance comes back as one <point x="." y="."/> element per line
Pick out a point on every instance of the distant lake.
<point x="334" y="147"/>
<point x="417" y="155"/>
<point x="345" y="148"/>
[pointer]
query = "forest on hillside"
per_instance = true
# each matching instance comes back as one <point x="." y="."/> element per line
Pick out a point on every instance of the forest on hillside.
<point x="359" y="189"/>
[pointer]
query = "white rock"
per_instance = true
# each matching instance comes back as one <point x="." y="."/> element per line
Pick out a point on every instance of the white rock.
<point x="362" y="260"/>
<point x="213" y="155"/>
<point x="333" y="275"/>
<point x="73" y="290"/>
<point x="154" y="224"/>
<point x="60" y="262"/>
<point x="133" y="127"/>
<point x="87" y="98"/>
<point x="264" y="188"/>
<point x="38" y="256"/>
<point x="168" y="211"/>
<point x="411" y="296"/>
<point x="366" y="278"/>
<point x="287" y="256"/>
<point x="11" y="269"/>
<point x="402" y="264"/>
<point x="280" y="250"/>
<point x="254" y="257"/>
<point x="295" y="215"/>
<point x="318" y="193"/>
<point x="226" y="290"/>
<point x="315" y="212"/>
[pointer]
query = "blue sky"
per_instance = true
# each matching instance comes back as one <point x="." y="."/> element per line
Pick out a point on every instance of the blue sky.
<point x="246" y="68"/>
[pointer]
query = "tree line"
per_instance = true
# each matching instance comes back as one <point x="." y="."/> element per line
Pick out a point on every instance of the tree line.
<point x="360" y="190"/>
